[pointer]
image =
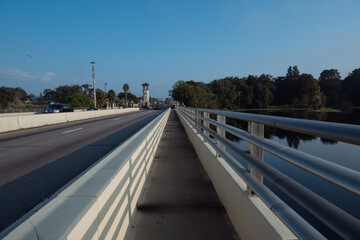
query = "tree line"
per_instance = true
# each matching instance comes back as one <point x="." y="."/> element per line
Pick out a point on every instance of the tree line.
<point x="295" y="89"/>
<point x="73" y="95"/>
<point x="12" y="97"/>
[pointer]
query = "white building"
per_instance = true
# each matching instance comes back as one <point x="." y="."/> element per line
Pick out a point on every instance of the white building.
<point x="146" y="101"/>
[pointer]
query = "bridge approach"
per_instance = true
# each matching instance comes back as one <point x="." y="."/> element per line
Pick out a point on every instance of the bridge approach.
<point x="153" y="186"/>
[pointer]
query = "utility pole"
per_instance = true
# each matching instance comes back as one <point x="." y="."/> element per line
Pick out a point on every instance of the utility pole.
<point x="105" y="88"/>
<point x="93" y="75"/>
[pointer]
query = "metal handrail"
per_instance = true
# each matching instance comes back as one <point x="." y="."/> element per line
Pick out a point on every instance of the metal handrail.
<point x="341" y="176"/>
<point x="335" y="131"/>
<point x="341" y="222"/>
<point x="293" y="220"/>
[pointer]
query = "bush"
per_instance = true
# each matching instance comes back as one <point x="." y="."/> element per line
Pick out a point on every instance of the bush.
<point x="78" y="100"/>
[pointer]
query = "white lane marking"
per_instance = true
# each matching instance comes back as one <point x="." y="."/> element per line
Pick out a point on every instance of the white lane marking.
<point x="116" y="119"/>
<point x="72" y="130"/>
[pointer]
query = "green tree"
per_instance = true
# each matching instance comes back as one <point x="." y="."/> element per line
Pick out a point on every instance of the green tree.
<point x="293" y="71"/>
<point x="63" y="91"/>
<point x="309" y="94"/>
<point x="112" y="97"/>
<point x="330" y="84"/>
<point x="48" y="93"/>
<point x="126" y="89"/>
<point x="286" y="87"/>
<point x="262" y="90"/>
<point x="194" y="94"/>
<point x="100" y="98"/>
<point x="12" y="97"/>
<point x="87" y="89"/>
<point x="351" y="86"/>
<point x="182" y="92"/>
<point x="229" y="92"/>
<point x="7" y="95"/>
<point x="78" y="100"/>
<point x="20" y="93"/>
<point x="202" y="96"/>
<point x="130" y="96"/>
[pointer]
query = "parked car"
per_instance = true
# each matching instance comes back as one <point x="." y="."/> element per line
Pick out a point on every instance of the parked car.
<point x="58" y="107"/>
<point x="92" y="108"/>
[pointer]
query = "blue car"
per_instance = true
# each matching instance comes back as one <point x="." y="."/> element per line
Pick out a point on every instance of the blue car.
<point x="92" y="108"/>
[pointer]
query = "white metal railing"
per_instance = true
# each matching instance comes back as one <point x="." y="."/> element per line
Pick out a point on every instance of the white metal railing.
<point x="335" y="218"/>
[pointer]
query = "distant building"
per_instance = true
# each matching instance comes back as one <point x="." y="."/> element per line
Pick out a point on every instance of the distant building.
<point x="146" y="95"/>
<point x="40" y="100"/>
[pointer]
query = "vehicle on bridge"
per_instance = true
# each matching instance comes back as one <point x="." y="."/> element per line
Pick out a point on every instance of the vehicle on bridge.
<point x="157" y="107"/>
<point x="92" y="108"/>
<point x="58" y="107"/>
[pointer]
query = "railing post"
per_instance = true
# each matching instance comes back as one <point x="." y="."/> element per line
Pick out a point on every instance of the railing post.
<point x="193" y="112"/>
<point x="222" y="120"/>
<point x="256" y="129"/>
<point x="206" y="123"/>
<point x="196" y="120"/>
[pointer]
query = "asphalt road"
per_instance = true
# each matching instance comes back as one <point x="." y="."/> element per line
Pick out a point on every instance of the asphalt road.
<point x="36" y="163"/>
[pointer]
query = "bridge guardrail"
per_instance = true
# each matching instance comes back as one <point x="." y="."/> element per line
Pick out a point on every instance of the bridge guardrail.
<point x="30" y="110"/>
<point x="101" y="203"/>
<point x="17" y="122"/>
<point x="341" y="222"/>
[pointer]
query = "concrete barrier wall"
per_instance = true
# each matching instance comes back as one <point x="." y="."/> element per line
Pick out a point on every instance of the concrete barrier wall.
<point x="101" y="203"/>
<point x="250" y="216"/>
<point x="16" y="114"/>
<point x="11" y="123"/>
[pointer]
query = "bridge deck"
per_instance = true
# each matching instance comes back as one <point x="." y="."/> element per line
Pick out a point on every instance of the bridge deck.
<point x="179" y="200"/>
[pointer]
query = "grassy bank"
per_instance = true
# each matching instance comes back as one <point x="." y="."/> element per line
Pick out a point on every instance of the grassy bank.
<point x="326" y="110"/>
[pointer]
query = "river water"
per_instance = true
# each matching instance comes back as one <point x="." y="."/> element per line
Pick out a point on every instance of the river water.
<point x="338" y="152"/>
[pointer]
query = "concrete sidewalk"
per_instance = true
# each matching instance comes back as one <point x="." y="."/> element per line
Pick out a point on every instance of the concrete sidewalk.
<point x="179" y="200"/>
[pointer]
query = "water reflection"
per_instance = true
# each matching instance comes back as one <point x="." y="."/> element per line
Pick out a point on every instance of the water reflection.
<point x="350" y="116"/>
<point x="294" y="139"/>
<point x="337" y="152"/>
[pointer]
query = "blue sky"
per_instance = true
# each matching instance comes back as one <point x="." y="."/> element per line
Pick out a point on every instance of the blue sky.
<point x="44" y="44"/>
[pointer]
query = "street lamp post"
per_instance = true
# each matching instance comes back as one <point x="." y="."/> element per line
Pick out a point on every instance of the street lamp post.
<point x="105" y="88"/>
<point x="93" y="75"/>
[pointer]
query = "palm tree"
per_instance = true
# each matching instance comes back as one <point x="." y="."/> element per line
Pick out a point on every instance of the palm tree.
<point x="112" y="97"/>
<point x="126" y="89"/>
